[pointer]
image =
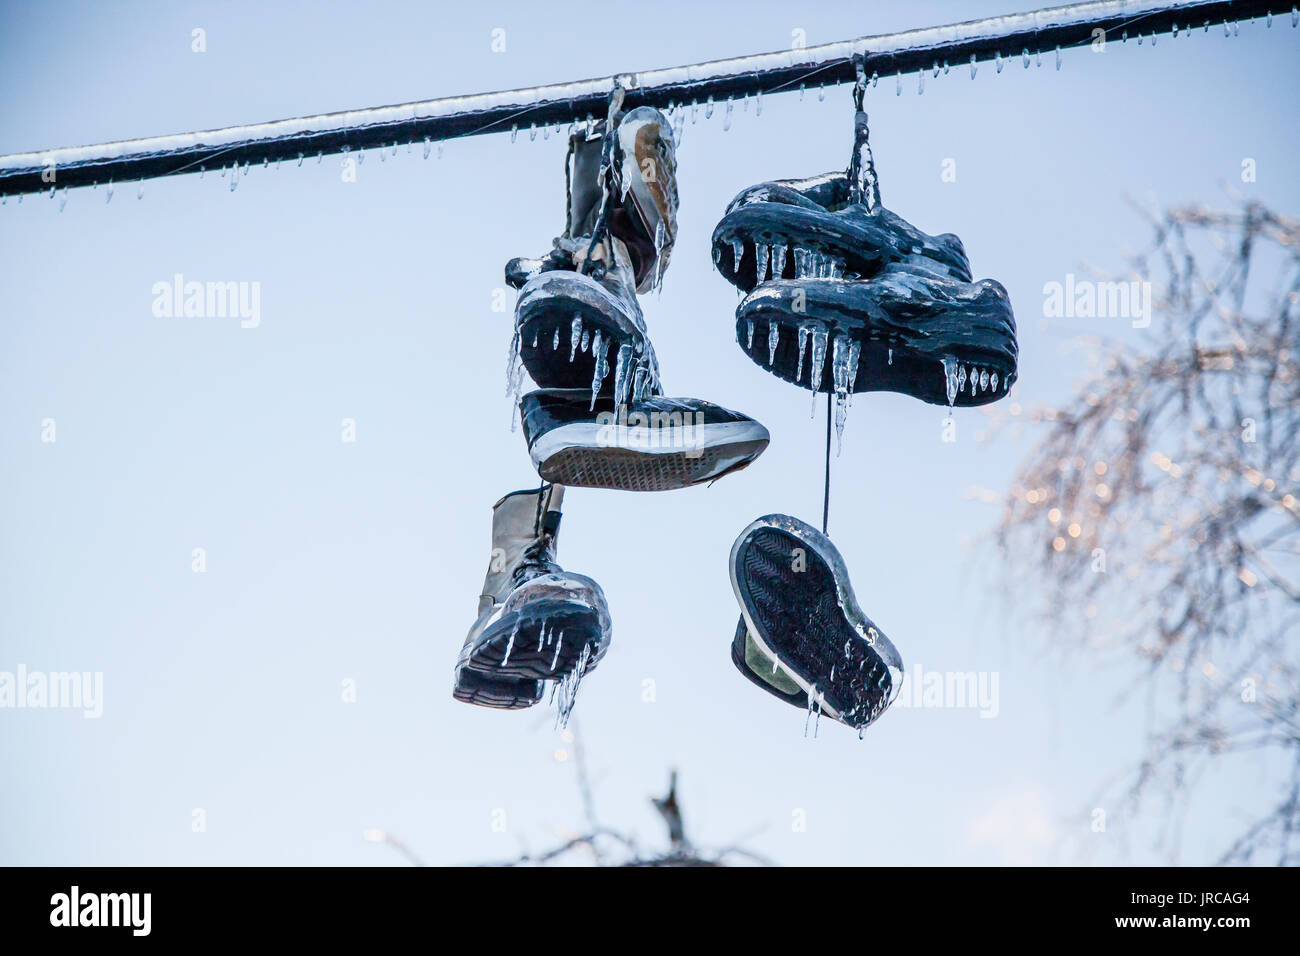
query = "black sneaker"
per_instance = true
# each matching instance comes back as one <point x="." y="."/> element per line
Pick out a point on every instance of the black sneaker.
<point x="841" y="299"/>
<point x="800" y="620"/>
<point x="536" y="621"/>
<point x="650" y="444"/>
<point x="577" y="309"/>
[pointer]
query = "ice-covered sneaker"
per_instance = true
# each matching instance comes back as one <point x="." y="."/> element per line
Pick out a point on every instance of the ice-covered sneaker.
<point x="577" y="307"/>
<point x="800" y="619"/>
<point x="536" y="621"/>
<point x="844" y="299"/>
<point x="650" y="444"/>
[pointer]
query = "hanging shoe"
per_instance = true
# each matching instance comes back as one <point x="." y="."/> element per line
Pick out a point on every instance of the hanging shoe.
<point x="536" y="621"/>
<point x="801" y="629"/>
<point x="577" y="305"/>
<point x="844" y="299"/>
<point x="650" y="444"/>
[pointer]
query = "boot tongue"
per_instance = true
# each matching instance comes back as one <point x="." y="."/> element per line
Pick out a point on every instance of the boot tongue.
<point x="585" y="187"/>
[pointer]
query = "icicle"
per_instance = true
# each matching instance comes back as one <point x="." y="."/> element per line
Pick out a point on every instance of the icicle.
<point x="555" y="341"/>
<point x="972" y="66"/>
<point x="803" y="344"/>
<point x="575" y="336"/>
<point x="532" y="132"/>
<point x="891" y="356"/>
<point x="821" y="93"/>
<point x="844" y="364"/>
<point x="536" y="333"/>
<point x="961" y="378"/>
<point x="920" y="83"/>
<point x="1024" y="57"/>
<point x="428" y="147"/>
<point x="660" y="237"/>
<point x="819" y="338"/>
<point x="726" y="119"/>
<point x="1058" y="50"/>
<point x="510" y="646"/>
<point x="556" y="657"/>
<point x="708" y="108"/>
<point x="761" y="254"/>
<point x="950" y="380"/>
<point x="514" y="376"/>
<point x="993" y="381"/>
<point x="586" y="339"/>
<point x="602" y="367"/>
<point x="139" y="193"/>
<point x="566" y="689"/>
<point x="898" y="84"/>
<point x="737" y="253"/>
<point x="997" y="59"/>
<point x="778" y="260"/>
<point x="108" y="198"/>
<point x="773" y="336"/>
<point x="803" y="260"/>
<point x="622" y="374"/>
<point x="974" y="379"/>
<point x="749" y="335"/>
<point x="984" y="380"/>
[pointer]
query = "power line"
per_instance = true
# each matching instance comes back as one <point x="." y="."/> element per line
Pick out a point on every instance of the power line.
<point x="960" y="45"/>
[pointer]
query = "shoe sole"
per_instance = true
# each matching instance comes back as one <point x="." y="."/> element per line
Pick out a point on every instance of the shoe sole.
<point x="500" y="693"/>
<point x="531" y="646"/>
<point x="579" y="455"/>
<point x="809" y="620"/>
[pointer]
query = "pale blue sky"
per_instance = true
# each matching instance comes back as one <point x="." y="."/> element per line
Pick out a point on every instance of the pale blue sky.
<point x="329" y="561"/>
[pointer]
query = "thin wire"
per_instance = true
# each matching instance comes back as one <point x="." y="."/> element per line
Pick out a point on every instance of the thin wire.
<point x="826" y="497"/>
